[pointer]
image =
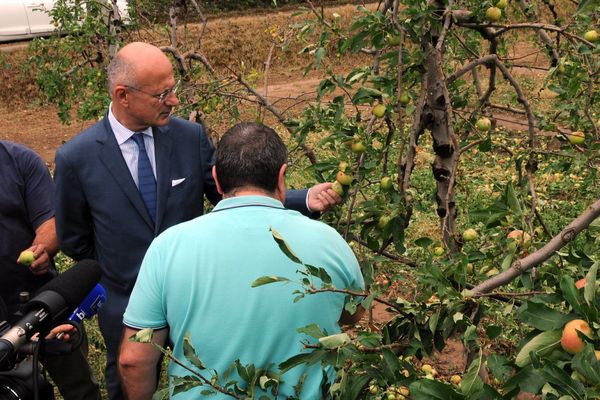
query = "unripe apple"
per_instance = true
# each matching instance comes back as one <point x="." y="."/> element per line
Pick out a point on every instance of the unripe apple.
<point x="483" y="124"/>
<point x="597" y="353"/>
<point x="404" y="98"/>
<point x="393" y="40"/>
<point x="493" y="14"/>
<point x="344" y="178"/>
<point x="404" y="391"/>
<point x="26" y="257"/>
<point x="373" y="389"/>
<point x="469" y="268"/>
<point x="455" y="379"/>
<point x="576" y="137"/>
<point x="386" y="183"/>
<point x="358" y="147"/>
<point x="570" y="340"/>
<point x="378" y="110"/>
<point x="591" y="36"/>
<point x="427" y="368"/>
<point x="501" y="4"/>
<point x="438" y="251"/>
<point x="518" y="238"/>
<point x="469" y="235"/>
<point x="383" y="221"/>
<point x="342" y="166"/>
<point x="338" y="188"/>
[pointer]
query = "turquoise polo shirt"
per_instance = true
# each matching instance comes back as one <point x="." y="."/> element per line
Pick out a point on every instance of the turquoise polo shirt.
<point x="196" y="277"/>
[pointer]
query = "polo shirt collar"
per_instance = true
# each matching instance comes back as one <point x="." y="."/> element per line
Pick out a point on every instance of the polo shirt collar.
<point x="246" y="201"/>
<point x="122" y="134"/>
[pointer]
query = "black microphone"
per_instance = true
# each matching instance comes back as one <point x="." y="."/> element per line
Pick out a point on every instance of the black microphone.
<point x="54" y="302"/>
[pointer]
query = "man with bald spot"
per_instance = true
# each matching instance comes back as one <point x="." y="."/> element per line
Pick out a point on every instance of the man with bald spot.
<point x="134" y="174"/>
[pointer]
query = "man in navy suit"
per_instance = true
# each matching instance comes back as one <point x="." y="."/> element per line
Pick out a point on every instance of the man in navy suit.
<point x="134" y="174"/>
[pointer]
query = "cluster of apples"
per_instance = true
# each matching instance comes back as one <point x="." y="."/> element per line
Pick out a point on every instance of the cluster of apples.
<point x="342" y="179"/>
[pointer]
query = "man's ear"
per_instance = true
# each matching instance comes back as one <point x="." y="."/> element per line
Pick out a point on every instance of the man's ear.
<point x="120" y="95"/>
<point x="214" y="174"/>
<point x="280" y="191"/>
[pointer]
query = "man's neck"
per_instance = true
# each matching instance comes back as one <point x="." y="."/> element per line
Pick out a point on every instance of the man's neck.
<point x="251" y="191"/>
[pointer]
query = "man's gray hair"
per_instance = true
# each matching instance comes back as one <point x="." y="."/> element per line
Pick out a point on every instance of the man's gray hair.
<point x="120" y="71"/>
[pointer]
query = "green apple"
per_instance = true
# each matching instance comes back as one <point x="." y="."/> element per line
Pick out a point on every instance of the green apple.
<point x="438" y="251"/>
<point x="342" y="166"/>
<point x="469" y="235"/>
<point x="386" y="183"/>
<point x="404" y="98"/>
<point x="378" y="110"/>
<point x="576" y="137"/>
<point x="26" y="257"/>
<point x="493" y="14"/>
<point x="338" y="188"/>
<point x="383" y="221"/>
<point x="483" y="124"/>
<point x="393" y="40"/>
<point x="501" y="4"/>
<point x="358" y="147"/>
<point x="591" y="36"/>
<point x="343" y="178"/>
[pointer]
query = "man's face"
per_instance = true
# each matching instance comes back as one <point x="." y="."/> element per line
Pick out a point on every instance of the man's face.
<point x="152" y="99"/>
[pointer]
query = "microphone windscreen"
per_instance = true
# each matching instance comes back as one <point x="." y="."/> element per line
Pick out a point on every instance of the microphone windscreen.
<point x="75" y="283"/>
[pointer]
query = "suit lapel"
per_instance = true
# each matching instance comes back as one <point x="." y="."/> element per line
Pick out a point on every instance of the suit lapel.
<point x="112" y="158"/>
<point x="163" y="144"/>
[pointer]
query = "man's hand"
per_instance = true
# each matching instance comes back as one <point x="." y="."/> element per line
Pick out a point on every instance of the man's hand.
<point x="41" y="264"/>
<point x="321" y="197"/>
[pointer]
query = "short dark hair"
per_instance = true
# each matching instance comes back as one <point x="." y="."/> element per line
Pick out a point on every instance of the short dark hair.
<point x="250" y="154"/>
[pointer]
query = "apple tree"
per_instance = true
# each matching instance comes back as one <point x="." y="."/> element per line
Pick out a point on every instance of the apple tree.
<point x="464" y="144"/>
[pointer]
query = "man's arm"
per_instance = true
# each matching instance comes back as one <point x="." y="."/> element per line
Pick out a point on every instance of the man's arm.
<point x="138" y="364"/>
<point x="44" y="247"/>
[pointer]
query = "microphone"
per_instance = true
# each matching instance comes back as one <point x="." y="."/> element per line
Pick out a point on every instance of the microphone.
<point x="52" y="303"/>
<point x="88" y="307"/>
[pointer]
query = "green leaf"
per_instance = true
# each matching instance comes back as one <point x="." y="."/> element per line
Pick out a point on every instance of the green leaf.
<point x="493" y="331"/>
<point x="190" y="353"/>
<point x="569" y="292"/>
<point x="587" y="365"/>
<point x="334" y="341"/>
<point x="589" y="291"/>
<point x="142" y="336"/>
<point x="284" y="246"/>
<point x="366" y="95"/>
<point x="265" y="280"/>
<point x="512" y="200"/>
<point x="304" y="358"/>
<point x="472" y="385"/>
<point x="312" y="330"/>
<point x="542" y="344"/>
<point x="162" y="394"/>
<point x="182" y="384"/>
<point x="541" y="316"/>
<point x="586" y="6"/>
<point x="426" y="389"/>
<point x="562" y="382"/>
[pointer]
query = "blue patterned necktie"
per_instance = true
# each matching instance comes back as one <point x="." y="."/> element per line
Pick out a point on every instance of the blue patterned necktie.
<point x="146" y="180"/>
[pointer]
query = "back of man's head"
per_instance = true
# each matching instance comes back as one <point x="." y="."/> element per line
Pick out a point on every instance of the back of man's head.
<point x="250" y="155"/>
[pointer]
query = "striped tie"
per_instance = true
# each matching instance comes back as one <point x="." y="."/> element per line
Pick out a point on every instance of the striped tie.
<point x="146" y="180"/>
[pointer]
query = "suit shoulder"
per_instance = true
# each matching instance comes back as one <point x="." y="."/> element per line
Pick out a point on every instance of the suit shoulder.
<point x="185" y="125"/>
<point x="85" y="138"/>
